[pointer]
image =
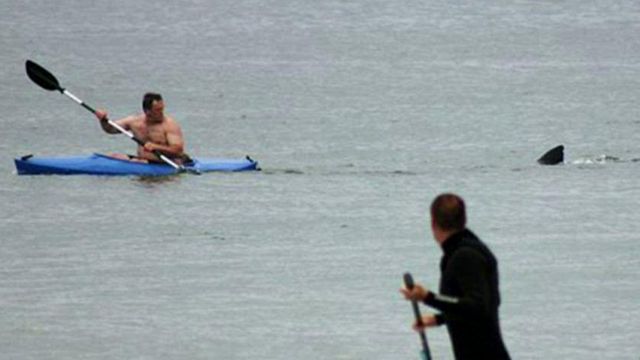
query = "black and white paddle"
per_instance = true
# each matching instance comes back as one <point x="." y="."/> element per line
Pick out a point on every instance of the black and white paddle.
<point x="47" y="81"/>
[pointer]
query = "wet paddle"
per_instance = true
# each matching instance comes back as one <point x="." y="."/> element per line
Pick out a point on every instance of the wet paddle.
<point x="47" y="81"/>
<point x="425" y="354"/>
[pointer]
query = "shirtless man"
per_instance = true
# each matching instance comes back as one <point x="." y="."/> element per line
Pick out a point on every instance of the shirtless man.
<point x="158" y="131"/>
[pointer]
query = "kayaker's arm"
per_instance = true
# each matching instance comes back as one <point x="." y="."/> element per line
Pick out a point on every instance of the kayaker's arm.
<point x="420" y="293"/>
<point x="175" y="141"/>
<point x="104" y="123"/>
<point x="172" y="150"/>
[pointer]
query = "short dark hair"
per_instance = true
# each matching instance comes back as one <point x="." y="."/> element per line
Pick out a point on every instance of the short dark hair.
<point x="148" y="99"/>
<point x="448" y="212"/>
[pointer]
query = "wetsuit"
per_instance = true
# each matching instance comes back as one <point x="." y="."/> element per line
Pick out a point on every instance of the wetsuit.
<point x="469" y="298"/>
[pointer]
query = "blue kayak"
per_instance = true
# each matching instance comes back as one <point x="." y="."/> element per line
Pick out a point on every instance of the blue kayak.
<point x="98" y="164"/>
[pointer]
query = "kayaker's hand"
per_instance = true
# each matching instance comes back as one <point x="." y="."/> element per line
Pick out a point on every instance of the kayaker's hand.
<point x="150" y="147"/>
<point x="428" y="320"/>
<point x="418" y="293"/>
<point x="101" y="114"/>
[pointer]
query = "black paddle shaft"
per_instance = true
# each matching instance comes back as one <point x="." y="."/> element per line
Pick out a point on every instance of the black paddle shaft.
<point x="408" y="282"/>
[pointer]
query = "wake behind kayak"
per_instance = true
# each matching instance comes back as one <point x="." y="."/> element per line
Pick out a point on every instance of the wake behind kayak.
<point x="99" y="164"/>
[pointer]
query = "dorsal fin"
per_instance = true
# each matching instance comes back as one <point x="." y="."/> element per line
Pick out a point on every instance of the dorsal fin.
<point x="553" y="157"/>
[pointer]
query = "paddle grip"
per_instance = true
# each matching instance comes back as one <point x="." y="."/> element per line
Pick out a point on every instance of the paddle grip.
<point x="408" y="281"/>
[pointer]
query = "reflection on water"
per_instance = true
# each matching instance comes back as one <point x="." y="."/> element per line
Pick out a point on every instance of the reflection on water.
<point x="153" y="181"/>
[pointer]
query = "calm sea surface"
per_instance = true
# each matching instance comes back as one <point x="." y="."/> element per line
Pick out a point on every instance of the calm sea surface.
<point x="359" y="112"/>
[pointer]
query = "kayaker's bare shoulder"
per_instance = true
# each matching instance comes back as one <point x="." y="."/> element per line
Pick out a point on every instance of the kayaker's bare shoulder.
<point x="170" y="124"/>
<point x="173" y="134"/>
<point x="134" y="120"/>
<point x="135" y="123"/>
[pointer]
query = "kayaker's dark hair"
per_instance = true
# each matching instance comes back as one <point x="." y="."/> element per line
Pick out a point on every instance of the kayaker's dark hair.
<point x="448" y="212"/>
<point x="148" y="100"/>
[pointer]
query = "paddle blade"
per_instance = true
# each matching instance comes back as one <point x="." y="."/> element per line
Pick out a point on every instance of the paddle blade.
<point x="42" y="77"/>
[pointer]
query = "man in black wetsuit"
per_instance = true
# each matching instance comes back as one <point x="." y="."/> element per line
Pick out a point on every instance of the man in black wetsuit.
<point x="469" y="295"/>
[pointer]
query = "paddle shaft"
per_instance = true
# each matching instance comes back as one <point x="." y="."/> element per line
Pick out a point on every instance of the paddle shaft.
<point x="408" y="282"/>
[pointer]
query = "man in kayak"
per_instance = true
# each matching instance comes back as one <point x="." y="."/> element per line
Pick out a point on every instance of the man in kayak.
<point x="158" y="131"/>
<point x="469" y="295"/>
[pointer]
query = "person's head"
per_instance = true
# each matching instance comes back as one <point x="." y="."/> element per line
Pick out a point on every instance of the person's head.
<point x="153" y="106"/>
<point x="448" y="216"/>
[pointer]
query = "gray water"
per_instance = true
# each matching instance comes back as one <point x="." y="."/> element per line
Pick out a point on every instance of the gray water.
<point x="359" y="113"/>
